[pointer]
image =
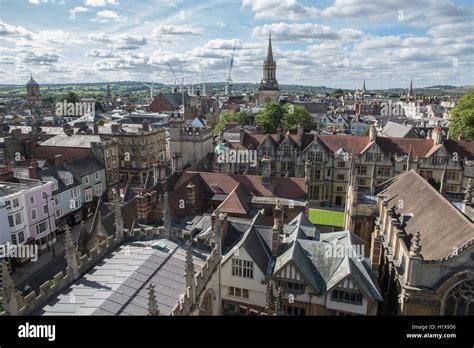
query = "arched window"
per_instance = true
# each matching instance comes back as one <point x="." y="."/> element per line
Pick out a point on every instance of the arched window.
<point x="460" y="300"/>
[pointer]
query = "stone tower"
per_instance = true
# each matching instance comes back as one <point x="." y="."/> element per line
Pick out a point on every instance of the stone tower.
<point x="269" y="90"/>
<point x="33" y="95"/>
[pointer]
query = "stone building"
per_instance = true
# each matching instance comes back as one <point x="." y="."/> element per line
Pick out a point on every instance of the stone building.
<point x="33" y="94"/>
<point x="325" y="160"/>
<point x="189" y="144"/>
<point x="422" y="249"/>
<point x="269" y="90"/>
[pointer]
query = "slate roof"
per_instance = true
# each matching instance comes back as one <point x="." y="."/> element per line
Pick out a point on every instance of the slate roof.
<point x="83" y="166"/>
<point x="118" y="284"/>
<point x="394" y="129"/>
<point x="77" y="140"/>
<point x="442" y="226"/>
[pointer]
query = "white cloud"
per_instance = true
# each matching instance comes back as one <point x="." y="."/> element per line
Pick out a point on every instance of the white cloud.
<point x="100" y="53"/>
<point x="37" y="2"/>
<point x="129" y="42"/>
<point x="169" y="29"/>
<point x="100" y="37"/>
<point x="12" y="30"/>
<point x="302" y="31"/>
<point x="100" y="3"/>
<point x="107" y="14"/>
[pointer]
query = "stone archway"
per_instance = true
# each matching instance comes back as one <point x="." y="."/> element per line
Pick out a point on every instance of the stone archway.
<point x="207" y="303"/>
<point x="459" y="299"/>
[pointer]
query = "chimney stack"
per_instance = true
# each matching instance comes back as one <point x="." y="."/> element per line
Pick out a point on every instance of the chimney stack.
<point x="375" y="251"/>
<point x="191" y="196"/>
<point x="33" y="172"/>
<point x="58" y="160"/>
<point x="96" y="128"/>
<point x="437" y="136"/>
<point x="372" y="133"/>
<point x="266" y="170"/>
<point x="145" y="126"/>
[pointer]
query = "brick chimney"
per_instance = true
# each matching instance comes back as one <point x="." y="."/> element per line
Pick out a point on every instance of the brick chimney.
<point x="280" y="135"/>
<point x="372" y="133"/>
<point x="33" y="172"/>
<point x="224" y="226"/>
<point x="145" y="126"/>
<point x="191" y="196"/>
<point x="266" y="170"/>
<point x="242" y="134"/>
<point x="96" y="128"/>
<point x="58" y="160"/>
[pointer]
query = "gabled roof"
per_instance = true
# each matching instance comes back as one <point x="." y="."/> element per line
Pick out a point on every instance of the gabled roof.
<point x="235" y="203"/>
<point x="442" y="227"/>
<point x="397" y="130"/>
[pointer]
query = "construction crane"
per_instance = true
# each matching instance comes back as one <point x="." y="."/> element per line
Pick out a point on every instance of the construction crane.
<point x="228" y="80"/>
<point x="178" y="80"/>
<point x="151" y="90"/>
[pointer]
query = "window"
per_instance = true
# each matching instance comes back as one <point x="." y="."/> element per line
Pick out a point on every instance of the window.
<point x="340" y="177"/>
<point x="385" y="171"/>
<point x="86" y="180"/>
<point x="242" y="268"/>
<point x="88" y="194"/>
<point x="314" y="192"/>
<point x="427" y="174"/>
<point x="21" y="237"/>
<point x="18" y="219"/>
<point x="32" y="199"/>
<point x="451" y="175"/>
<point x="16" y="202"/>
<point x="96" y="175"/>
<point x="291" y="166"/>
<point x="438" y="160"/>
<point x="14" y="239"/>
<point x="351" y="297"/>
<point x="33" y="214"/>
<point x="287" y="150"/>
<point x="361" y="169"/>
<point x="341" y="164"/>
<point x="10" y="220"/>
<point x="68" y="180"/>
<point x="283" y="165"/>
<point x="45" y="196"/>
<point x="452" y="188"/>
<point x="315" y="156"/>
<point x="316" y="174"/>
<point x="291" y="287"/>
<point x="338" y="188"/>
<point x="41" y="227"/>
<point x="362" y="182"/>
<point x="57" y="200"/>
<point x="373" y="157"/>
<point x="45" y="209"/>
<point x="292" y="310"/>
<point x="58" y="213"/>
<point x="98" y="190"/>
<point x="238" y="292"/>
<point x="8" y="204"/>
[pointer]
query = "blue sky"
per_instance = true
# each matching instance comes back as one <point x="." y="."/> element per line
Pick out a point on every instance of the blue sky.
<point x="336" y="43"/>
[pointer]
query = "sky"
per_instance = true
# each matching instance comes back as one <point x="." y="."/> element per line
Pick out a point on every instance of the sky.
<point x="333" y="43"/>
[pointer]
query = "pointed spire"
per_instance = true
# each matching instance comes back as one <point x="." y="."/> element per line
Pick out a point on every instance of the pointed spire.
<point x="270" y="299"/>
<point x="166" y="215"/>
<point x="468" y="194"/>
<point x="71" y="254"/>
<point x="415" y="247"/>
<point x="410" y="89"/>
<point x="270" y="50"/>
<point x="83" y="238"/>
<point x="118" y="223"/>
<point x="152" y="305"/>
<point x="372" y="179"/>
<point x="363" y="87"/>
<point x="279" y="309"/>
<point x="10" y="300"/>
<point x="443" y="178"/>
<point x="189" y="269"/>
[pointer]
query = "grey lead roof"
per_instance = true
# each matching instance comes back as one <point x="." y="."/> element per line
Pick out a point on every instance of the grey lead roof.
<point x="117" y="285"/>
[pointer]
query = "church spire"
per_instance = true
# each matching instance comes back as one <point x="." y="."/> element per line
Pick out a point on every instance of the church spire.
<point x="363" y="87"/>
<point x="410" y="89"/>
<point x="270" y="50"/>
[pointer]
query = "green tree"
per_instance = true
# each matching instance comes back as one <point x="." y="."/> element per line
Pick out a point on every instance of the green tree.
<point x="241" y="117"/>
<point x="337" y="93"/>
<point x="271" y="118"/>
<point x="294" y="115"/>
<point x="70" y="97"/>
<point x="462" y="118"/>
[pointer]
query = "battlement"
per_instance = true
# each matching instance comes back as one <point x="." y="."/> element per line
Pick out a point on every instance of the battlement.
<point x="187" y="302"/>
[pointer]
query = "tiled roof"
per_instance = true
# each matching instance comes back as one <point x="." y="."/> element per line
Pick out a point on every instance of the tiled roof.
<point x="442" y="227"/>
